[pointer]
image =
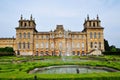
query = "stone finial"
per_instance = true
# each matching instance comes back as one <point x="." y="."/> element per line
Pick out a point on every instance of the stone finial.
<point x="97" y="17"/>
<point x="31" y="17"/>
<point x="87" y="16"/>
<point x="21" y="17"/>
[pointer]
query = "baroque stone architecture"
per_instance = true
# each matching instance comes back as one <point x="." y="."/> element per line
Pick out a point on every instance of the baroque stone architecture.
<point x="29" y="41"/>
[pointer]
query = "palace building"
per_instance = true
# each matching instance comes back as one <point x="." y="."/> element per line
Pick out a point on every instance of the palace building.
<point x="29" y="41"/>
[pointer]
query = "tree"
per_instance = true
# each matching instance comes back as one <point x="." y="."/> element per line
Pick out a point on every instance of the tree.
<point x="113" y="48"/>
<point x="106" y="45"/>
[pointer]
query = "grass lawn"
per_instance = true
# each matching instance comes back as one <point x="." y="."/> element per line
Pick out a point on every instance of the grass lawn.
<point x="17" y="68"/>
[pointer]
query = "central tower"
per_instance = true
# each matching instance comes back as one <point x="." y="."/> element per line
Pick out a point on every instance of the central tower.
<point x="24" y="36"/>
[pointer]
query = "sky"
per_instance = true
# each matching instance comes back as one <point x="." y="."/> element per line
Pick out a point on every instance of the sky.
<point x="70" y="13"/>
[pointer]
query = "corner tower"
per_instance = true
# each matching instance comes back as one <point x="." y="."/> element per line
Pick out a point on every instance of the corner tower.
<point x="25" y="37"/>
<point x="94" y="34"/>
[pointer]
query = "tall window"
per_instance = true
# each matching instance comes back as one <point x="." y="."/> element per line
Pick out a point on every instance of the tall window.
<point x="82" y="36"/>
<point x="78" y="45"/>
<point x="46" y="44"/>
<point x="37" y="45"/>
<point x="28" y="44"/>
<point x="52" y="45"/>
<point x="28" y="34"/>
<point x="72" y="44"/>
<point x="90" y="35"/>
<point x="95" y="45"/>
<point x="19" y="45"/>
<point x="82" y="45"/>
<point x="23" y="45"/>
<point x="42" y="45"/>
<point x="25" y="24"/>
<point x="91" y="44"/>
<point x="24" y="35"/>
<point x="95" y="35"/>
<point x="99" y="35"/>
<point x="20" y="35"/>
<point x="100" y="45"/>
<point x="60" y="45"/>
<point x="93" y="24"/>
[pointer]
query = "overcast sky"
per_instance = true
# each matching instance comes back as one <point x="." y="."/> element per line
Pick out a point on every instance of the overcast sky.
<point x="70" y="13"/>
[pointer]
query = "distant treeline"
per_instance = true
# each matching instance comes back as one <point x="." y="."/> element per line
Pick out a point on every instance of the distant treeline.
<point x="110" y="50"/>
<point x="7" y="51"/>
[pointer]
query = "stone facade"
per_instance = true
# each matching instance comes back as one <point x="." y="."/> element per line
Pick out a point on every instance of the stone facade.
<point x="29" y="41"/>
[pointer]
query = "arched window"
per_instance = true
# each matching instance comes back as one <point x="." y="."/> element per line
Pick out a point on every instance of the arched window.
<point x="95" y="35"/>
<point x="91" y="44"/>
<point x="23" y="45"/>
<point x="20" y="35"/>
<point x="28" y="34"/>
<point x="24" y="35"/>
<point x="28" y="44"/>
<point x="19" y="45"/>
<point x="90" y="35"/>
<point x="99" y="35"/>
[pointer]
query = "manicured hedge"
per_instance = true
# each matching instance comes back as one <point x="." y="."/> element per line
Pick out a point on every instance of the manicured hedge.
<point x="7" y="51"/>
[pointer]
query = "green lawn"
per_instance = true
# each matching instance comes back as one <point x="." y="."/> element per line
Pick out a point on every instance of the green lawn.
<point x="17" y="68"/>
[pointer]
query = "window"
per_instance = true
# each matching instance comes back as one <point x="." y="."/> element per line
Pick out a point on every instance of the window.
<point x="91" y="44"/>
<point x="24" y="35"/>
<point x="23" y="45"/>
<point x="28" y="44"/>
<point x="73" y="36"/>
<point x="28" y="34"/>
<point x="37" y="45"/>
<point x="95" y="44"/>
<point x="89" y="23"/>
<point x="78" y="45"/>
<point x="52" y="45"/>
<point x="78" y="52"/>
<point x="90" y="35"/>
<point x="72" y="44"/>
<point x="60" y="45"/>
<point x="25" y="24"/>
<point x="95" y="35"/>
<point x="42" y="45"/>
<point x="41" y="36"/>
<point x="73" y="52"/>
<point x="19" y="45"/>
<point x="82" y="36"/>
<point x="82" y="45"/>
<point x="47" y="37"/>
<point x="20" y="35"/>
<point x="93" y="24"/>
<point x="99" y="35"/>
<point x="100" y="45"/>
<point x="46" y="44"/>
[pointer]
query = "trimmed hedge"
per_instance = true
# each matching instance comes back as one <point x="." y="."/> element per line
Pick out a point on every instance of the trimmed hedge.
<point x="7" y="51"/>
